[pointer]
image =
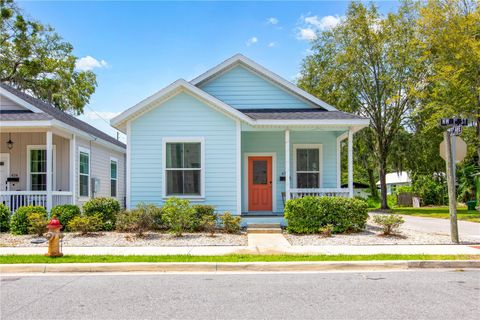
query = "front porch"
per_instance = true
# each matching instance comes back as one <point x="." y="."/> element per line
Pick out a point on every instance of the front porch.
<point x="36" y="167"/>
<point x="278" y="165"/>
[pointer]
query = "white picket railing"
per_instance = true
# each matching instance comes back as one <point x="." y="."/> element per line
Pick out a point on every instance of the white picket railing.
<point x="319" y="192"/>
<point x="16" y="199"/>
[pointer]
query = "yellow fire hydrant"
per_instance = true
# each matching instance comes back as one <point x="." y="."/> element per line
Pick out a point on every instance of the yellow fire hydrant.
<point x="54" y="236"/>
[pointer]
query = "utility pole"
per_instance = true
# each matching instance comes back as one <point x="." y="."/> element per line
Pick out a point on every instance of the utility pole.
<point x="452" y="192"/>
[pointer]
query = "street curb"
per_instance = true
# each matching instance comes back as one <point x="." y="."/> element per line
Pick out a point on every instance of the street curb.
<point x="238" y="266"/>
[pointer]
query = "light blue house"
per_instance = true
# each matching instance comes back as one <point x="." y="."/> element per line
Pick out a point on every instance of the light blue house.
<point x="238" y="137"/>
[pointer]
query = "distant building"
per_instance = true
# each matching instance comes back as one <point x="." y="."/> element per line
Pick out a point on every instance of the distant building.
<point x="395" y="180"/>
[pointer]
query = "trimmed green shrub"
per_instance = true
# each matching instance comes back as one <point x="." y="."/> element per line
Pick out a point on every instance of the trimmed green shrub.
<point x="308" y="214"/>
<point x="326" y="231"/>
<point x="19" y="222"/>
<point x="389" y="222"/>
<point x="65" y="213"/>
<point x="139" y="220"/>
<point x="37" y="223"/>
<point x="178" y="215"/>
<point x="4" y="218"/>
<point x="106" y="208"/>
<point x="209" y="224"/>
<point x="202" y="210"/>
<point x="85" y="224"/>
<point x="230" y="223"/>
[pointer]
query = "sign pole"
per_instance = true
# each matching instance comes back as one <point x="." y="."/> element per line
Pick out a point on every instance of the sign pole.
<point x="452" y="194"/>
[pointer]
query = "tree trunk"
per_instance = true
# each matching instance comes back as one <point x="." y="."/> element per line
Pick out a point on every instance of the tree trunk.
<point x="383" y="182"/>
<point x="373" y="186"/>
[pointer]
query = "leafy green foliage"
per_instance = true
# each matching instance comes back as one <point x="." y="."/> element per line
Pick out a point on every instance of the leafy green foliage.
<point x="209" y="224"/>
<point x="390" y="223"/>
<point x="85" y="224"/>
<point x="65" y="213"/>
<point x="20" y="223"/>
<point x="139" y="220"/>
<point x="326" y="231"/>
<point x="4" y="218"/>
<point x="404" y="189"/>
<point x="33" y="57"/>
<point x="37" y="223"/>
<point x="308" y="214"/>
<point x="178" y="215"/>
<point x="106" y="208"/>
<point x="432" y="189"/>
<point x="202" y="210"/>
<point x="230" y="223"/>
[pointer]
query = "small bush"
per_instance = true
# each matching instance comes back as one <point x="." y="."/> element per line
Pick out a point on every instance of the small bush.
<point x="4" y="218"/>
<point x="86" y="224"/>
<point x="308" y="214"/>
<point x="19" y="222"/>
<point x="139" y="220"/>
<point x="178" y="215"/>
<point x="326" y="231"/>
<point x="37" y="223"/>
<point x="209" y="224"/>
<point x="65" y="213"/>
<point x="106" y="208"/>
<point x="202" y="210"/>
<point x="389" y="222"/>
<point x="230" y="223"/>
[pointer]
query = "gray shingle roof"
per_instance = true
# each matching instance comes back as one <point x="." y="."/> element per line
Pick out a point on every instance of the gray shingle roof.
<point x="55" y="113"/>
<point x="297" y="114"/>
<point x="23" y="116"/>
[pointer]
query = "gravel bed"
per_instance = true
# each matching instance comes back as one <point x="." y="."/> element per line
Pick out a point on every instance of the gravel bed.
<point x="372" y="235"/>
<point x="118" y="239"/>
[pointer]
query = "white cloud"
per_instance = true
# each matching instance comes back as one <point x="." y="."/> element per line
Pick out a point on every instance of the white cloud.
<point x="251" y="41"/>
<point x="272" y="44"/>
<point x="89" y="63"/>
<point x="324" y="23"/>
<point x="306" y="34"/>
<point x="272" y="20"/>
<point x="106" y="115"/>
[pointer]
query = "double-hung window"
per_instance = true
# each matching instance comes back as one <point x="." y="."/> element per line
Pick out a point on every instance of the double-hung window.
<point x="37" y="168"/>
<point x="308" y="166"/>
<point x="113" y="177"/>
<point x="84" y="173"/>
<point x="183" y="168"/>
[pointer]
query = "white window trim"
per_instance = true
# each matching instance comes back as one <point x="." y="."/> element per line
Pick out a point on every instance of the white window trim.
<point x="112" y="159"/>
<point x="246" y="155"/>
<point x="320" y="160"/>
<point x="87" y="151"/>
<point x="54" y="166"/>
<point x="200" y="140"/>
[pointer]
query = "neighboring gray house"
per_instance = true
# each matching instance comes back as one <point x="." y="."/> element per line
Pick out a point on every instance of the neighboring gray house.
<point x="39" y="141"/>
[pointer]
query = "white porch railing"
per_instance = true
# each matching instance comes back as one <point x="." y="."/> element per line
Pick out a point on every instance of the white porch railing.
<point x="16" y="199"/>
<point x="319" y="192"/>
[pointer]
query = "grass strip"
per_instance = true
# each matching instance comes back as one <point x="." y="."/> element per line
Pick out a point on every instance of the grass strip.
<point x="16" y="259"/>
<point x="439" y="212"/>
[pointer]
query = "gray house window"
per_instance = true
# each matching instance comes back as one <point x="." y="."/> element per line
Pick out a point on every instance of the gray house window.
<point x="84" y="174"/>
<point x="183" y="168"/>
<point x="113" y="178"/>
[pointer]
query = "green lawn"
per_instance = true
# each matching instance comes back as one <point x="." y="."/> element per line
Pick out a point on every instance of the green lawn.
<point x="10" y="259"/>
<point x="440" y="212"/>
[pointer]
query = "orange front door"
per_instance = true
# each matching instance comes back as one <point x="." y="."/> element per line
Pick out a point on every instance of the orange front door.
<point x="259" y="183"/>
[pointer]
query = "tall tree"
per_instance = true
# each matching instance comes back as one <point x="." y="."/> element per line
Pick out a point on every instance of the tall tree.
<point x="368" y="64"/>
<point x="34" y="58"/>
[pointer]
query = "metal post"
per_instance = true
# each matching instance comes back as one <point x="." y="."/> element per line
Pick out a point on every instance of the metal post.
<point x="452" y="194"/>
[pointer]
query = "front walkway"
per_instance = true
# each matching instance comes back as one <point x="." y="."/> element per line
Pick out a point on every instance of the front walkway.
<point x="259" y="249"/>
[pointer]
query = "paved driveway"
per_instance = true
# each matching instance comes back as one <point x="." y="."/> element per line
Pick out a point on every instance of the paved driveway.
<point x="441" y="226"/>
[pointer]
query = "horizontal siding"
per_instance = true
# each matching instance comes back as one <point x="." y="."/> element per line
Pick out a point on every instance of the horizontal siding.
<point x="242" y="88"/>
<point x="259" y="142"/>
<point x="7" y="104"/>
<point x="183" y="116"/>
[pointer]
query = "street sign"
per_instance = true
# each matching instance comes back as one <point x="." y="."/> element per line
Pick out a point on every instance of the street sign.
<point x="458" y="122"/>
<point x="460" y="149"/>
<point x="455" y="130"/>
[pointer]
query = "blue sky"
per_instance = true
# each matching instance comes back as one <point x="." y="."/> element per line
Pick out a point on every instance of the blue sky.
<point x="136" y="48"/>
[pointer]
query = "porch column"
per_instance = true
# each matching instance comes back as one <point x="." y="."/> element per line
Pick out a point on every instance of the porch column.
<point x="49" y="156"/>
<point x="73" y="166"/>
<point x="350" y="163"/>
<point x="287" y="164"/>
<point x="239" y="167"/>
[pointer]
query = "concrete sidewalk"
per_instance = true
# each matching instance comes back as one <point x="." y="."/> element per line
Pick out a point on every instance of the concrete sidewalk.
<point x="224" y="250"/>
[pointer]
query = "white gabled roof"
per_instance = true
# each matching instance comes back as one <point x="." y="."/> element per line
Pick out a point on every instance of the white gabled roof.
<point x="241" y="59"/>
<point x="145" y="105"/>
<point x="397" y="178"/>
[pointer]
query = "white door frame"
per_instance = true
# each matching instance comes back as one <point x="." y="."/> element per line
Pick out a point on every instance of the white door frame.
<point x="274" y="180"/>
<point x="8" y="171"/>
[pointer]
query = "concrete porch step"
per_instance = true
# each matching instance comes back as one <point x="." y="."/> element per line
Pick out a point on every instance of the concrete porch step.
<point x="264" y="228"/>
<point x="263" y="225"/>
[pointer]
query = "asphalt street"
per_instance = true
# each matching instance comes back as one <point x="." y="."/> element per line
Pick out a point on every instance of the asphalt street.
<point x="437" y="294"/>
